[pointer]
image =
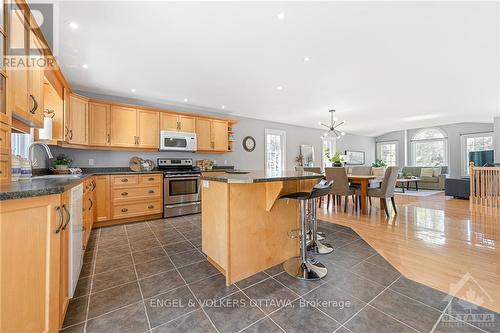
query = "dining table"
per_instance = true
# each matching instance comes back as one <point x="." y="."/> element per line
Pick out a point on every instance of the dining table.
<point x="363" y="181"/>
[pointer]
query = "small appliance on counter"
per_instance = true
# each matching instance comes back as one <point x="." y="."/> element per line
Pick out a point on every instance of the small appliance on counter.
<point x="181" y="186"/>
<point x="138" y="164"/>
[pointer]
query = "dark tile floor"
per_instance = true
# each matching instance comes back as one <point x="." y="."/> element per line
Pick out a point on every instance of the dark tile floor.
<point x="153" y="277"/>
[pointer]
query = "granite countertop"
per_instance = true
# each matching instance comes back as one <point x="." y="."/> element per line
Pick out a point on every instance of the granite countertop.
<point x="43" y="185"/>
<point x="261" y="176"/>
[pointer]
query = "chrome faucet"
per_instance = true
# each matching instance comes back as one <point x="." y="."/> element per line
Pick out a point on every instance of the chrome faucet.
<point x="31" y="149"/>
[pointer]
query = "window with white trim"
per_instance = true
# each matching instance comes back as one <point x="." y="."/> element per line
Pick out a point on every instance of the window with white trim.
<point x="329" y="145"/>
<point x="275" y="146"/>
<point x="429" y="147"/>
<point x="474" y="142"/>
<point x="20" y="143"/>
<point x="388" y="152"/>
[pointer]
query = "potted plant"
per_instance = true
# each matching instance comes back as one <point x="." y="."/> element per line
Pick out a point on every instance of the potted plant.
<point x="337" y="159"/>
<point x="62" y="162"/>
<point x="378" y="167"/>
<point x="407" y="175"/>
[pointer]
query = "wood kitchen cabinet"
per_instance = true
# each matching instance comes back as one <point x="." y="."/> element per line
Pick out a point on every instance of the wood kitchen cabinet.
<point x="123" y="126"/>
<point x="99" y="124"/>
<point x="175" y="122"/>
<point x="76" y="120"/>
<point x="147" y="129"/>
<point x="212" y="134"/>
<point x="102" y="198"/>
<point x="30" y="235"/>
<point x="89" y="200"/>
<point x="35" y="82"/>
<point x="64" y="258"/>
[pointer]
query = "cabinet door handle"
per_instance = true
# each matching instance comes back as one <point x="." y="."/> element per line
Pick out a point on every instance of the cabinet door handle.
<point x="68" y="217"/>
<point x="71" y="134"/>
<point x="108" y="136"/>
<point x="151" y="206"/>
<point x="124" y="180"/>
<point x="151" y="179"/>
<point x="67" y="132"/>
<point x="151" y="191"/>
<point x="32" y="110"/>
<point x="61" y="219"/>
<point x="124" y="210"/>
<point x="124" y="193"/>
<point x="91" y="204"/>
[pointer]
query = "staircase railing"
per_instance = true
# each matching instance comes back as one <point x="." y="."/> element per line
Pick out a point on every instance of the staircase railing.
<point x="485" y="186"/>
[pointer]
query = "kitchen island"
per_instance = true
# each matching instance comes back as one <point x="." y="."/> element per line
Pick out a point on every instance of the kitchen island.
<point x="245" y="227"/>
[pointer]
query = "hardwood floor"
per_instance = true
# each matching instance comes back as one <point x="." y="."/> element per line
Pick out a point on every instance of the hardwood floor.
<point x="435" y="240"/>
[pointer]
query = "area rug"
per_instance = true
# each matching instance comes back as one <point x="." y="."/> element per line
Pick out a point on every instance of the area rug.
<point x="419" y="193"/>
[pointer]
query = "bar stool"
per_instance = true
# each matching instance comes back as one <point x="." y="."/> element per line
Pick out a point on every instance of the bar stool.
<point x="303" y="267"/>
<point x="315" y="245"/>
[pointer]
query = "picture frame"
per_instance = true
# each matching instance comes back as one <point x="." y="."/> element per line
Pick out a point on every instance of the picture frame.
<point x="354" y="157"/>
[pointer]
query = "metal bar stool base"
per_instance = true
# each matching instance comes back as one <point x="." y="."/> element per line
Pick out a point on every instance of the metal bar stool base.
<point x="305" y="271"/>
<point x="317" y="247"/>
<point x="320" y="235"/>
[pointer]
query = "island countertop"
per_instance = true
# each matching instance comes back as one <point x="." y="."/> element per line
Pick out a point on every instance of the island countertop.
<point x="260" y="176"/>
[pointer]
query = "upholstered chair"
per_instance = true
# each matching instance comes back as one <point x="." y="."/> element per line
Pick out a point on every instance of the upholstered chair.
<point x="386" y="189"/>
<point x="340" y="186"/>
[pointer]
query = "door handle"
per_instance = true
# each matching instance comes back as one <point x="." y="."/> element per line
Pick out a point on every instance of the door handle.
<point x="34" y="104"/>
<point x="108" y="136"/>
<point x="68" y="217"/>
<point x="124" y="210"/>
<point x="151" y="206"/>
<point x="124" y="180"/>
<point x="124" y="193"/>
<point x="151" y="179"/>
<point x="61" y="219"/>
<point x="91" y="204"/>
<point x="71" y="134"/>
<point x="151" y="191"/>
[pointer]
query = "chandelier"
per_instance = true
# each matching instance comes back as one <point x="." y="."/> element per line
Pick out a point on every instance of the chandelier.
<point x="333" y="126"/>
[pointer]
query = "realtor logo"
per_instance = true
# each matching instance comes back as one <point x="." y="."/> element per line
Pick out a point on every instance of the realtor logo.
<point x="466" y="307"/>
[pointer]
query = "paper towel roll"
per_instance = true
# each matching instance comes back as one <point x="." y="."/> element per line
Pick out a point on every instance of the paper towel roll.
<point x="45" y="133"/>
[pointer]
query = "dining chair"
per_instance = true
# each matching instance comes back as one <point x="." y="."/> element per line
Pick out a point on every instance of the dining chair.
<point x="361" y="170"/>
<point x="386" y="189"/>
<point x="340" y="186"/>
<point x="312" y="169"/>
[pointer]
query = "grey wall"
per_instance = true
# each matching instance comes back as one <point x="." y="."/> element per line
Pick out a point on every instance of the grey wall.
<point x="454" y="131"/>
<point x="295" y="135"/>
<point x="496" y="139"/>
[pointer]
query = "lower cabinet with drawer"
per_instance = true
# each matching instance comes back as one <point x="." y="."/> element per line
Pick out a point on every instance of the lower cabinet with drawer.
<point x="128" y="197"/>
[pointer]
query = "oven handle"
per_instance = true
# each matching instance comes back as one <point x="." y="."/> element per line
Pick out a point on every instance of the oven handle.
<point x="183" y="178"/>
<point x="183" y="204"/>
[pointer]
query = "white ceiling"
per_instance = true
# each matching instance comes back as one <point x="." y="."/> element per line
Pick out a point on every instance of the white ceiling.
<point x="382" y="65"/>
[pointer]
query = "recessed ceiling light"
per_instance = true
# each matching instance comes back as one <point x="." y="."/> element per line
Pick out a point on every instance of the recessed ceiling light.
<point x="279" y="88"/>
<point x="73" y="25"/>
<point x="223" y="106"/>
<point x="306" y="59"/>
<point x="185" y="100"/>
<point x="133" y="90"/>
<point x="280" y="16"/>
<point x="85" y="66"/>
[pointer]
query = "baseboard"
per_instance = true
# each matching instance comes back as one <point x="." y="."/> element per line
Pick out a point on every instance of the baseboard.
<point x="127" y="220"/>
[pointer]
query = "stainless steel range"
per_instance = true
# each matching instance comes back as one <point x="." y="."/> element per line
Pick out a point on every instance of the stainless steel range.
<point x="181" y="186"/>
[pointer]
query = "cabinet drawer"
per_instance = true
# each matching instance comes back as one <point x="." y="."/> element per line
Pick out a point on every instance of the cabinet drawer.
<point x="136" y="193"/>
<point x="137" y="209"/>
<point x="150" y="179"/>
<point x="4" y="139"/>
<point x="4" y="168"/>
<point x="124" y="180"/>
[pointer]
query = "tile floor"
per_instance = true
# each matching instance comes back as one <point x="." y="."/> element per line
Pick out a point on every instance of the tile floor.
<point x="153" y="277"/>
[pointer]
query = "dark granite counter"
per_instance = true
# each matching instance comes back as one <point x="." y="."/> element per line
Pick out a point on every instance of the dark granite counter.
<point x="56" y="184"/>
<point x="260" y="176"/>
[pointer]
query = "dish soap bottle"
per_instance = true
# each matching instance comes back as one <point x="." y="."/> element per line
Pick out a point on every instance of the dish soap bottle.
<point x="25" y="169"/>
<point x="16" y="167"/>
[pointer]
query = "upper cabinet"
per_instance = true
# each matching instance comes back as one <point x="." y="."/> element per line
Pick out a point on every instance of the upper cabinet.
<point x="148" y="135"/>
<point x="99" y="124"/>
<point x="134" y="128"/>
<point x="175" y="122"/>
<point x="212" y="134"/>
<point x="76" y="120"/>
<point x="123" y="126"/>
<point x="26" y="74"/>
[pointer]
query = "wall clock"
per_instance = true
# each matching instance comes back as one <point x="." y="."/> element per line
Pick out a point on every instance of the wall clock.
<point x="249" y="143"/>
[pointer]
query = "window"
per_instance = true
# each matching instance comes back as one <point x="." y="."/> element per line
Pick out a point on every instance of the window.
<point x="275" y="150"/>
<point x="474" y="142"/>
<point x="429" y="147"/>
<point x="388" y="152"/>
<point x="20" y="144"/>
<point x="329" y="145"/>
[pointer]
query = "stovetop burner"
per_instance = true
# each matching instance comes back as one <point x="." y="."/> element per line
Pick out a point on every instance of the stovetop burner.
<point x="177" y="166"/>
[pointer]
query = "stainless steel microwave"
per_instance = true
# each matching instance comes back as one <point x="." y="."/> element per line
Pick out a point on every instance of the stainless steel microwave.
<point x="177" y="141"/>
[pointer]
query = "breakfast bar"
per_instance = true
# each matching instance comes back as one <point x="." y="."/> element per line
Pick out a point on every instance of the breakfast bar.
<point x="245" y="226"/>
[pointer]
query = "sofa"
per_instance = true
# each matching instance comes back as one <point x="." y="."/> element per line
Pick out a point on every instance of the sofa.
<point x="457" y="187"/>
<point x="434" y="182"/>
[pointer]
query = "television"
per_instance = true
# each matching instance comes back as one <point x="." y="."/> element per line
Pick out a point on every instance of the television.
<point x="480" y="158"/>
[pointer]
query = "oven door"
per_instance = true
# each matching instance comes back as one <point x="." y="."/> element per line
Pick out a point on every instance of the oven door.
<point x="181" y="189"/>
